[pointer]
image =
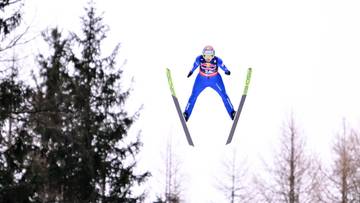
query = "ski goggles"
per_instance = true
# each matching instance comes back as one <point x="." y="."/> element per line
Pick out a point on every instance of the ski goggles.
<point x="208" y="53"/>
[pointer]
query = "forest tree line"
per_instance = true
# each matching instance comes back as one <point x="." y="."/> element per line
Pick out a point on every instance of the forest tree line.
<point x="65" y="139"/>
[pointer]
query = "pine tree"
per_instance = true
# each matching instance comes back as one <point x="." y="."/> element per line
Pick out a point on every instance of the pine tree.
<point x="100" y="121"/>
<point x="15" y="141"/>
<point x="67" y="139"/>
<point x="82" y="123"/>
<point x="50" y="120"/>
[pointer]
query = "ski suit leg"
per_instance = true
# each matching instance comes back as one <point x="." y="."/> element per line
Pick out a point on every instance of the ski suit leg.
<point x="198" y="87"/>
<point x="218" y="86"/>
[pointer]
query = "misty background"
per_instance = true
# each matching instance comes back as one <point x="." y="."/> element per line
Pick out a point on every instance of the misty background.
<point x="298" y="131"/>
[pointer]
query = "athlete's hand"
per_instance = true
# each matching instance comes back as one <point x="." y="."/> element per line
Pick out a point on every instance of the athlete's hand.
<point x="227" y="72"/>
<point x="190" y="73"/>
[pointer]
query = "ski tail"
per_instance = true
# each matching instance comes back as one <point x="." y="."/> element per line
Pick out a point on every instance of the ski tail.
<point x="178" y="109"/>
<point x="242" y="101"/>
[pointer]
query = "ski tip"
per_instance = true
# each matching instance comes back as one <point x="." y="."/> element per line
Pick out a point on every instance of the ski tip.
<point x="249" y="71"/>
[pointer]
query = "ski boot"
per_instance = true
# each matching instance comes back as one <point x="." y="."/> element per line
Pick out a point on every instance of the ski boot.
<point x="186" y="116"/>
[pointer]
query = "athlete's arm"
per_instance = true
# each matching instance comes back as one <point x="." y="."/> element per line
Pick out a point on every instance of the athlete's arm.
<point x="221" y="64"/>
<point x="195" y="66"/>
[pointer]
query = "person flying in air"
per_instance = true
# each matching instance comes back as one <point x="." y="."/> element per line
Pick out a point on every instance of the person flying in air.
<point x="208" y="77"/>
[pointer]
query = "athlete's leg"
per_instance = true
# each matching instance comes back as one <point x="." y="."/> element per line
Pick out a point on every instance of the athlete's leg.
<point x="198" y="87"/>
<point x="219" y="87"/>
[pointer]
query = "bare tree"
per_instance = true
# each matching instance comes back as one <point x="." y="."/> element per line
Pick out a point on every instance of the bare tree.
<point x="317" y="182"/>
<point x="355" y="146"/>
<point x="294" y="176"/>
<point x="235" y="184"/>
<point x="172" y="192"/>
<point x="345" y="175"/>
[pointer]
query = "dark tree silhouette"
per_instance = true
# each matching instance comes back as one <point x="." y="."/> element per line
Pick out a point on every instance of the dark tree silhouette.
<point x="16" y="142"/>
<point x="9" y="22"/>
<point x="100" y="121"/>
<point x="51" y="121"/>
<point x="67" y="138"/>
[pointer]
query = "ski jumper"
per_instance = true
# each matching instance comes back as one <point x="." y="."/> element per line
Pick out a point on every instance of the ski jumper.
<point x="209" y="77"/>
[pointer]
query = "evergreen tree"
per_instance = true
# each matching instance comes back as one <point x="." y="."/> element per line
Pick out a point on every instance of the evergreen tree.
<point x="50" y="121"/>
<point x="16" y="143"/>
<point x="82" y="124"/>
<point x="101" y="121"/>
<point x="66" y="139"/>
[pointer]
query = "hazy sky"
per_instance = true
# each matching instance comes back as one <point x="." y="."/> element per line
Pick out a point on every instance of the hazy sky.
<point x="305" y="60"/>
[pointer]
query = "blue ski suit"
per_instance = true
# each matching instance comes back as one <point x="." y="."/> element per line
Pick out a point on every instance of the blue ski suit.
<point x="209" y="77"/>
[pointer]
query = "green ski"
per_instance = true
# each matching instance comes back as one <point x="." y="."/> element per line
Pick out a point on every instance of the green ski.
<point x="178" y="109"/>
<point x="238" y="112"/>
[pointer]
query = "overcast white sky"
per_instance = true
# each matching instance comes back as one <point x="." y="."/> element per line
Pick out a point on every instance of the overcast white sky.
<point x="305" y="60"/>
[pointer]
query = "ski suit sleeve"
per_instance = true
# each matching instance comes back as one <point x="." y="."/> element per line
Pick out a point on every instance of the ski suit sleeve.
<point x="221" y="65"/>
<point x="196" y="64"/>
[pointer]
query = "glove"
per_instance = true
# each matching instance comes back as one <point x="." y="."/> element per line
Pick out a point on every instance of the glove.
<point x="227" y="72"/>
<point x="190" y="73"/>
